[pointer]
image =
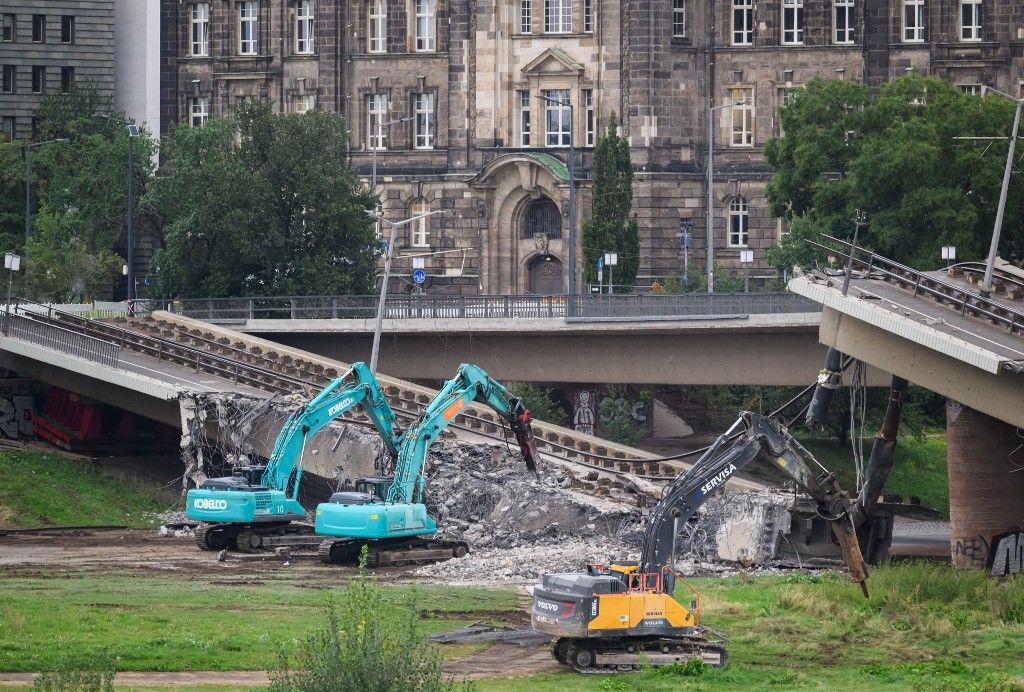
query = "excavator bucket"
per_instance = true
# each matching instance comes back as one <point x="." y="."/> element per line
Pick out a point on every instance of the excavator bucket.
<point x="524" y="436"/>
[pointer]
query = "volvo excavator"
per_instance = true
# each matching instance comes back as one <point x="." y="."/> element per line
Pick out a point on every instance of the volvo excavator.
<point x="391" y="518"/>
<point x="616" y="617"/>
<point x="257" y="506"/>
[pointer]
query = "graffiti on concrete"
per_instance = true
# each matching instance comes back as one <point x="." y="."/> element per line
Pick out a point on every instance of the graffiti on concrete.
<point x="616" y="405"/>
<point x="16" y="416"/>
<point x="583" y="416"/>
<point x="970" y="552"/>
<point x="1007" y="554"/>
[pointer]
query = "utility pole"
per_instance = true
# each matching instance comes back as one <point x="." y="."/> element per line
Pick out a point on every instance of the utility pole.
<point x="859" y="219"/>
<point x="28" y="197"/>
<point x="388" y="255"/>
<point x="993" y="249"/>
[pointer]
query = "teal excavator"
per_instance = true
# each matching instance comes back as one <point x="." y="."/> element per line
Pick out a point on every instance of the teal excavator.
<point x="257" y="506"/>
<point x="390" y="517"/>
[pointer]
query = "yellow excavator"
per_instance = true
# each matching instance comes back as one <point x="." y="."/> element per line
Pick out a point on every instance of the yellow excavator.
<point x="617" y="617"/>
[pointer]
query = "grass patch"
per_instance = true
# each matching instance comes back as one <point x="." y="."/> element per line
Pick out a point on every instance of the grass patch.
<point x="920" y="468"/>
<point x="175" y="623"/>
<point x="38" y="489"/>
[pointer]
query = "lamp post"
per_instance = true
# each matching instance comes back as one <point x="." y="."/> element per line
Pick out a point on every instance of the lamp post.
<point x="993" y="249"/>
<point x="711" y="191"/>
<point x="28" y="186"/>
<point x="133" y="134"/>
<point x="377" y="133"/>
<point x="571" y="258"/>
<point x="388" y="254"/>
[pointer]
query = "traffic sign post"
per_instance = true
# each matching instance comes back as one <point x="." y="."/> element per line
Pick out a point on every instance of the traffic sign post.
<point x="419" y="276"/>
<point x="600" y="275"/>
<point x="686" y="240"/>
<point x="611" y="259"/>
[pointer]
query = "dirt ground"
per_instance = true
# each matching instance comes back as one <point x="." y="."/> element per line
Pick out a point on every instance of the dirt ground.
<point x="144" y="551"/>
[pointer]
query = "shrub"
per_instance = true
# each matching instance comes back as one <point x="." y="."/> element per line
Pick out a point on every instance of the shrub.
<point x="97" y="675"/>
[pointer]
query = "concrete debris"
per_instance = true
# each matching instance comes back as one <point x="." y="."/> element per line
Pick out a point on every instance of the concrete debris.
<point x="521" y="636"/>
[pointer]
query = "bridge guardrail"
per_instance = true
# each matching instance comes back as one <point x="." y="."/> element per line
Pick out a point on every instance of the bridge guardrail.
<point x="60" y="339"/>
<point x="491" y="306"/>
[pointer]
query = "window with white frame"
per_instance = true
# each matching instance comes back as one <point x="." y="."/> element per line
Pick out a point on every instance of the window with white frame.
<point x="425" y="26"/>
<point x="557" y="16"/>
<point x="842" y="21"/>
<point x="523" y="106"/>
<point x="525" y="16"/>
<point x="200" y="111"/>
<point x="588" y="16"/>
<point x="738" y="222"/>
<point x="304" y="27"/>
<point x="377" y="31"/>
<point x="201" y="29"/>
<point x="742" y="22"/>
<point x="248" y="27"/>
<point x="742" y="130"/>
<point x="557" y="131"/>
<point x="973" y="89"/>
<point x="304" y="103"/>
<point x="590" y="117"/>
<point x="423" y="121"/>
<point x="678" y="18"/>
<point x="913" y="21"/>
<point x="786" y="96"/>
<point x="792" y="22"/>
<point x="420" y="227"/>
<point x="376" y="112"/>
<point x="970" y="20"/>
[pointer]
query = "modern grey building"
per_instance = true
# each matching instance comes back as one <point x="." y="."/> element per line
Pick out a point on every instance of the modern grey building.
<point x="46" y="46"/>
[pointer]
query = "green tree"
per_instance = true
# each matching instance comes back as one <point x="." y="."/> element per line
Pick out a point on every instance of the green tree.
<point x="541" y="403"/>
<point x="610" y="228"/>
<point x="262" y="204"/>
<point x="897" y="157"/>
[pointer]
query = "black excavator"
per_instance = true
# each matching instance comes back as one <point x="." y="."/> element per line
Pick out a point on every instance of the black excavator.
<point x="616" y="617"/>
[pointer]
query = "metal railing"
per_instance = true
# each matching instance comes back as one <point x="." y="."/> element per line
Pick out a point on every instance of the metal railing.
<point x="238" y="310"/>
<point x="60" y="339"/>
<point x="921" y="283"/>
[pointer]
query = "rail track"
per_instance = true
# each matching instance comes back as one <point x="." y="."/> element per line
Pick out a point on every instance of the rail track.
<point x="285" y="374"/>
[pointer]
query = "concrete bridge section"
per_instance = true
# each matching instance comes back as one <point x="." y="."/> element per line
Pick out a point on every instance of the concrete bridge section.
<point x="763" y="349"/>
<point x="936" y="331"/>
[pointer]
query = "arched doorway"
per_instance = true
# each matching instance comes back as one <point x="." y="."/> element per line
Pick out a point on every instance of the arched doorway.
<point x="546" y="275"/>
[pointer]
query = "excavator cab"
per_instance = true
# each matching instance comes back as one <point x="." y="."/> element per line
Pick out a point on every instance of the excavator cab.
<point x="241" y="478"/>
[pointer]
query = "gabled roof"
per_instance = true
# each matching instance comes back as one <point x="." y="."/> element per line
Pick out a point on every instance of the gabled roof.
<point x="563" y="62"/>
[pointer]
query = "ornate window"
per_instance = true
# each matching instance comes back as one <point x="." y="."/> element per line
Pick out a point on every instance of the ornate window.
<point x="377" y="31"/>
<point x="523" y="105"/>
<point x="425" y="26"/>
<point x="742" y="22"/>
<point x="423" y="117"/>
<point x="558" y="129"/>
<point x="913" y="21"/>
<point x="305" y="103"/>
<point x="842" y="21"/>
<point x="420" y="234"/>
<point x="248" y="27"/>
<point x="304" y="27"/>
<point x="200" y="111"/>
<point x="970" y="20"/>
<point x="678" y="18"/>
<point x="557" y="16"/>
<point x="542" y="216"/>
<point x="738" y="222"/>
<point x="201" y="29"/>
<point x="742" y="131"/>
<point x="792" y="22"/>
<point x="376" y="113"/>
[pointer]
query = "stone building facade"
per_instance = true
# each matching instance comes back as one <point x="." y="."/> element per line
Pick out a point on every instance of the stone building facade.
<point x="449" y="93"/>
<point x="46" y="46"/>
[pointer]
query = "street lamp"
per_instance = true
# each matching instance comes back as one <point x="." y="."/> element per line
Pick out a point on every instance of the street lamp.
<point x="28" y="185"/>
<point x="986" y="284"/>
<point x="388" y="253"/>
<point x="12" y="263"/>
<point x="133" y="134"/>
<point x="571" y="293"/>
<point x="746" y="259"/>
<point x="711" y="190"/>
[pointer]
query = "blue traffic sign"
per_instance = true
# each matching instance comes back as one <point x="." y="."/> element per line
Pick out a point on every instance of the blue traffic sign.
<point x="419" y="276"/>
<point x="600" y="263"/>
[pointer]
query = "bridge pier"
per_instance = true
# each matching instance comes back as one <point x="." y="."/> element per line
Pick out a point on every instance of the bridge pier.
<point x="986" y="501"/>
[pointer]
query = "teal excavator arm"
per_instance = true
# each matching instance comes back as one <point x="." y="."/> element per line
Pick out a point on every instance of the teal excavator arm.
<point x="357" y="386"/>
<point x="470" y="384"/>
